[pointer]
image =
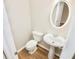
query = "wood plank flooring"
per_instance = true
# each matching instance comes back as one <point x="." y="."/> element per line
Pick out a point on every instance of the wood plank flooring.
<point x="39" y="54"/>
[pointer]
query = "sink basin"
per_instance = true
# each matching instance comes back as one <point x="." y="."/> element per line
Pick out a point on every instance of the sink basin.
<point x="54" y="41"/>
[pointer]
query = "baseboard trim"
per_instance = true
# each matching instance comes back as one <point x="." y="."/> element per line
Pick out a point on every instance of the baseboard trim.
<point x="19" y="50"/>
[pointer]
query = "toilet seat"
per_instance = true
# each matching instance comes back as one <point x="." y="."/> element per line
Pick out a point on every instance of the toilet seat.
<point x="31" y="46"/>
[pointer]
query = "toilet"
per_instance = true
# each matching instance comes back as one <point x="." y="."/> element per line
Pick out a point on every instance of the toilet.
<point x="31" y="46"/>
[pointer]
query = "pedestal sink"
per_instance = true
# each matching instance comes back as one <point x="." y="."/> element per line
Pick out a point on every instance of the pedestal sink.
<point x="59" y="18"/>
<point x="53" y="42"/>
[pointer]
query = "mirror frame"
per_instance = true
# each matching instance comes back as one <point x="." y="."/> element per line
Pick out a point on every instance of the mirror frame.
<point x="53" y="7"/>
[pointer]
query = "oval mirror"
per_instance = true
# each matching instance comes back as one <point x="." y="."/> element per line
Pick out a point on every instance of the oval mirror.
<point x="60" y="14"/>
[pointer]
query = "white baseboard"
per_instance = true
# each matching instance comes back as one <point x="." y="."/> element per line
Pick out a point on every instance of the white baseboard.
<point x="43" y="47"/>
<point x="20" y="49"/>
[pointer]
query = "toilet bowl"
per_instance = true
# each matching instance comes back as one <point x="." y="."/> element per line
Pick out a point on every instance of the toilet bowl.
<point x="31" y="46"/>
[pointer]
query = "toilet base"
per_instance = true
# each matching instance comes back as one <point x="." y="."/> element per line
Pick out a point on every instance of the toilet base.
<point x="31" y="52"/>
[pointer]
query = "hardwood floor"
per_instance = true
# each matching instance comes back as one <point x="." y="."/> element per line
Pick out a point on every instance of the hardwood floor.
<point x="39" y="54"/>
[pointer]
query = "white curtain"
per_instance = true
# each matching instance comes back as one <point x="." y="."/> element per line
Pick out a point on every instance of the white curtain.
<point x="8" y="42"/>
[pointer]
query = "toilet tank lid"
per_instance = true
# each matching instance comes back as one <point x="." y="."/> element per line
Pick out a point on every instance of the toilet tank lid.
<point x="37" y="33"/>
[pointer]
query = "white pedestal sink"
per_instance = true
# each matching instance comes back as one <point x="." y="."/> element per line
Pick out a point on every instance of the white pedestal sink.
<point x="53" y="42"/>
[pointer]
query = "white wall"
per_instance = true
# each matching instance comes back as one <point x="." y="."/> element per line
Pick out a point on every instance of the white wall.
<point x="19" y="17"/>
<point x="69" y="49"/>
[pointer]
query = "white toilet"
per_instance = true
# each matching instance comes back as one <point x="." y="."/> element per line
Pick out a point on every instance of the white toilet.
<point x="31" y="46"/>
